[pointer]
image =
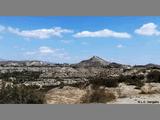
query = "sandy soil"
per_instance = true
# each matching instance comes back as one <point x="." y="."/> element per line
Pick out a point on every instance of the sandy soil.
<point x="67" y="95"/>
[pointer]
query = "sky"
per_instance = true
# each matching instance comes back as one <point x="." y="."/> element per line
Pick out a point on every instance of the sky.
<point x="69" y="39"/>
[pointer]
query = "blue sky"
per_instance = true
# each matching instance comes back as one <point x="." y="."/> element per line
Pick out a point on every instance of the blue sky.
<point x="124" y="39"/>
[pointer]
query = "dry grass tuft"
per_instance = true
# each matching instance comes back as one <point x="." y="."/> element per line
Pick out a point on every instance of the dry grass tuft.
<point x="97" y="95"/>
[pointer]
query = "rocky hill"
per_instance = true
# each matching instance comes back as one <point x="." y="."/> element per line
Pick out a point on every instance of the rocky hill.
<point x="49" y="74"/>
<point x="94" y="61"/>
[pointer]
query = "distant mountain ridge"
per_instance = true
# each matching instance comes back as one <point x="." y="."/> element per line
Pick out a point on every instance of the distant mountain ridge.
<point x="22" y="63"/>
<point x="94" y="61"/>
<point x="2" y="59"/>
<point x="150" y="65"/>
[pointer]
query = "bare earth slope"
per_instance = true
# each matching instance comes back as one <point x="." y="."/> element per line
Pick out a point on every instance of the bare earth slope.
<point x="67" y="95"/>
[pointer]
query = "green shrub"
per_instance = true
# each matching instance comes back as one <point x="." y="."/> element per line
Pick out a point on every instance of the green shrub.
<point x="153" y="76"/>
<point x="104" y="81"/>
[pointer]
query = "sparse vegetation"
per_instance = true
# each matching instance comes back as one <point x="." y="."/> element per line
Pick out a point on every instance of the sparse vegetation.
<point x="96" y="72"/>
<point x="108" y="82"/>
<point x="20" y="95"/>
<point x="137" y="80"/>
<point x="102" y="79"/>
<point x="20" y="77"/>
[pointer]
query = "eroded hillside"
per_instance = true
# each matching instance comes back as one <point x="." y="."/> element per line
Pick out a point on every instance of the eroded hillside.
<point x="119" y="79"/>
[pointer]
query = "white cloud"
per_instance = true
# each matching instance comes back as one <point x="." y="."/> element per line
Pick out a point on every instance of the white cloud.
<point x="148" y="29"/>
<point x="43" y="50"/>
<point x="103" y="33"/>
<point x="46" y="50"/>
<point x="120" y="46"/>
<point x="2" y="28"/>
<point x="48" y="53"/>
<point x="40" y="33"/>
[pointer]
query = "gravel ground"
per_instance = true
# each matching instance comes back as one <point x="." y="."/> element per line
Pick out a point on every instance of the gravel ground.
<point x="138" y="99"/>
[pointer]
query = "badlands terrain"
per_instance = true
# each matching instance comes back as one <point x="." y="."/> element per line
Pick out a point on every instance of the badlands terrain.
<point x="90" y="81"/>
